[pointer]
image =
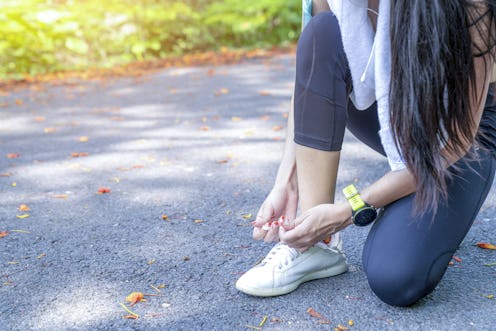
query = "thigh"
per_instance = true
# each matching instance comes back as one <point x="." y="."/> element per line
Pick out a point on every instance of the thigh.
<point x="405" y="256"/>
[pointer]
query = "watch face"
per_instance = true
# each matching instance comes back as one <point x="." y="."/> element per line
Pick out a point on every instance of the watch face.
<point x="365" y="216"/>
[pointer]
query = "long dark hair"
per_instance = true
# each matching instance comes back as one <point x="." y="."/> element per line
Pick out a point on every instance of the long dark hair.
<point x="432" y="78"/>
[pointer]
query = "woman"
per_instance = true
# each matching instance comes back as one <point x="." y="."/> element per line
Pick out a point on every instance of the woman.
<point x="412" y="80"/>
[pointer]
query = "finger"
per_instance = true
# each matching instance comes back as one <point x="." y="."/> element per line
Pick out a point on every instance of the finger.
<point x="287" y="223"/>
<point x="273" y="233"/>
<point x="289" y="237"/>
<point x="291" y="211"/>
<point x="258" y="233"/>
<point x="288" y="240"/>
<point x="264" y="215"/>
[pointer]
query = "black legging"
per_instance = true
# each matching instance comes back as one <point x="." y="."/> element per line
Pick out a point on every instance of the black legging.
<point x="404" y="257"/>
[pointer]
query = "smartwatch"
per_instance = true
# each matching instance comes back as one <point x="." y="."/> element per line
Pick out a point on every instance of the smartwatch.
<point x="363" y="213"/>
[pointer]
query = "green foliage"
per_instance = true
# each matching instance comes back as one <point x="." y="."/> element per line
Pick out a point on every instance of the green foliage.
<point x="38" y="36"/>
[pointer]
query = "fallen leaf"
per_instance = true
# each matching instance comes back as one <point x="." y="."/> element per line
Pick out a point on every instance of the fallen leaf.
<point x="42" y="255"/>
<point x="39" y="119"/>
<point x="80" y="154"/>
<point x="236" y="119"/>
<point x="22" y="216"/>
<point x="103" y="190"/>
<point x="490" y="296"/>
<point x="165" y="217"/>
<point x="129" y="311"/>
<point x="265" y="117"/>
<point x="199" y="221"/>
<point x="340" y="328"/>
<point x="3" y="234"/>
<point x="223" y="161"/>
<point x="221" y="91"/>
<point x="277" y="128"/>
<point x="49" y="130"/>
<point x="275" y="320"/>
<point x="264" y="93"/>
<point x="486" y="245"/>
<point x="84" y="139"/>
<point x="60" y="196"/>
<point x="285" y="115"/>
<point x="18" y="102"/>
<point x="24" y="207"/>
<point x="6" y="174"/>
<point x="20" y="231"/>
<point x="247" y="216"/>
<point x="155" y="288"/>
<point x="133" y="317"/>
<point x="457" y="259"/>
<point x="138" y="166"/>
<point x="150" y="262"/>
<point x="351" y="323"/>
<point x="14" y="184"/>
<point x="262" y="323"/>
<point x="204" y="128"/>
<point x="135" y="297"/>
<point x="186" y="258"/>
<point x="314" y="313"/>
<point x="13" y="155"/>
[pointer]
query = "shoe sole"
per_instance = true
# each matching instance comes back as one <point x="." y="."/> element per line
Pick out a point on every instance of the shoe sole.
<point x="329" y="272"/>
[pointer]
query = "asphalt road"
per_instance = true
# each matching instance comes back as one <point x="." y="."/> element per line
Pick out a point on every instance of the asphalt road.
<point x="200" y="145"/>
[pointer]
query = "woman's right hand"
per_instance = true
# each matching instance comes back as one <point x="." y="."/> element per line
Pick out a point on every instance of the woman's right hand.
<point x="281" y="202"/>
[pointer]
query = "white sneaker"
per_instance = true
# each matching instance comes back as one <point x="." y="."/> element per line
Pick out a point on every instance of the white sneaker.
<point x="284" y="269"/>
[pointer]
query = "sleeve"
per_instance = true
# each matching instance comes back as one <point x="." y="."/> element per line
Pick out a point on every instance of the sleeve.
<point x="306" y="6"/>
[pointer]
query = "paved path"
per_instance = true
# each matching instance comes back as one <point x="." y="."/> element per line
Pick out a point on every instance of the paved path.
<point x="200" y="145"/>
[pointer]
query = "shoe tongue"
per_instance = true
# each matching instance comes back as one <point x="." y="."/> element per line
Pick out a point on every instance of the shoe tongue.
<point x="280" y="253"/>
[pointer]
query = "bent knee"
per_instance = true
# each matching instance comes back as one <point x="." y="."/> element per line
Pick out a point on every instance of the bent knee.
<point x="399" y="286"/>
<point x="402" y="282"/>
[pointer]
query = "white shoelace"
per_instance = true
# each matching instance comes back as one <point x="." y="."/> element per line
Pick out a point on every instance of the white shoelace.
<point x="280" y="255"/>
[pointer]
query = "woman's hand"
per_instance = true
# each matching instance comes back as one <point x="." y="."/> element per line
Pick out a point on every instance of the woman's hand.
<point x="315" y="225"/>
<point x="281" y="202"/>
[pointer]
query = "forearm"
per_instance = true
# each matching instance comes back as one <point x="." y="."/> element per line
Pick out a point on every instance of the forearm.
<point x="286" y="173"/>
<point x="392" y="186"/>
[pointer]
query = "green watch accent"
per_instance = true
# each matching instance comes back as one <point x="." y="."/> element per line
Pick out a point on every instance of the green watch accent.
<point x="363" y="213"/>
<point x="353" y="197"/>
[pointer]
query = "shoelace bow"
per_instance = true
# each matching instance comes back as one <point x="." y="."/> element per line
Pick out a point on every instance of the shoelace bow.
<point x="279" y="256"/>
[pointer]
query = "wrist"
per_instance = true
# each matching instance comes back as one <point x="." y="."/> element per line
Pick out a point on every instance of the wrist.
<point x="346" y="212"/>
<point x="362" y="213"/>
<point x="286" y="177"/>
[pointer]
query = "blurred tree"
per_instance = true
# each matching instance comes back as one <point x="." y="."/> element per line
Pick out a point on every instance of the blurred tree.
<point x="38" y="36"/>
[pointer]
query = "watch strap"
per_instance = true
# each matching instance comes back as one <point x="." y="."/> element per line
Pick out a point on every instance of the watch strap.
<point x="351" y="194"/>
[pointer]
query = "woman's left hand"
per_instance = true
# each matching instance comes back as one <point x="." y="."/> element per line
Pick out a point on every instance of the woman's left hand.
<point x="315" y="225"/>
